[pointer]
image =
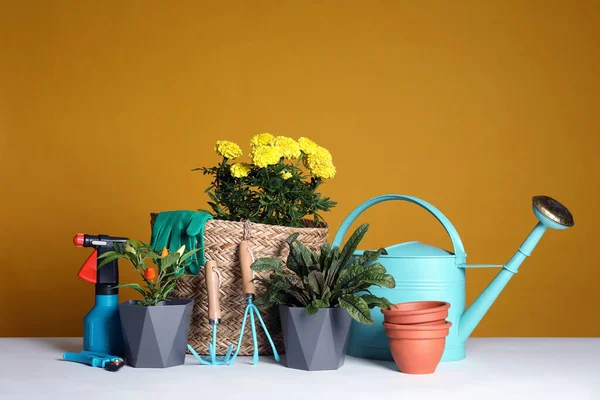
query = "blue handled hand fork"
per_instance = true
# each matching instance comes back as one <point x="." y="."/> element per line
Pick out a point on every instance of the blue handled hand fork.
<point x="214" y="316"/>
<point x="246" y="259"/>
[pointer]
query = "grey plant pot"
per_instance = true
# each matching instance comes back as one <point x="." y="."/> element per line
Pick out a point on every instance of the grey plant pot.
<point x="315" y="342"/>
<point x="156" y="336"/>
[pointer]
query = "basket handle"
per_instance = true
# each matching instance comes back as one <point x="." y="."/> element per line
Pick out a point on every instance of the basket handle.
<point x="459" y="249"/>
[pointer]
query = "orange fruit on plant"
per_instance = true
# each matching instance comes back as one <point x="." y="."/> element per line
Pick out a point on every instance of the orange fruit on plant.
<point x="150" y="274"/>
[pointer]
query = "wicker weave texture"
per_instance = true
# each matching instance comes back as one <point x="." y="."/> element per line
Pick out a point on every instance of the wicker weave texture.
<point x="221" y="242"/>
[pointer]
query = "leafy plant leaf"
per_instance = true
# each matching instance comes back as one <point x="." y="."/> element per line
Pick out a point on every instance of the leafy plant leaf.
<point x="327" y="294"/>
<point x="325" y="250"/>
<point x="312" y="308"/>
<point x="352" y="243"/>
<point x="375" y="301"/>
<point x="169" y="260"/>
<point x="306" y="254"/>
<point x="322" y="303"/>
<point x="332" y="266"/>
<point x="262" y="303"/>
<point x="377" y="267"/>
<point x="188" y="255"/>
<point x="152" y="255"/>
<point x="266" y="264"/>
<point x="379" y="279"/>
<point x="292" y="238"/>
<point x="315" y="261"/>
<point x="357" y="274"/>
<point x="109" y="257"/>
<point x="133" y="286"/>
<point x="295" y="262"/>
<point x="357" y="308"/>
<point x="169" y="288"/>
<point x="316" y="282"/>
<point x="369" y="256"/>
<point x="298" y="294"/>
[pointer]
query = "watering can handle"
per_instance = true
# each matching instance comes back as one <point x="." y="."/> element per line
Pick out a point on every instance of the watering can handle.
<point x="459" y="250"/>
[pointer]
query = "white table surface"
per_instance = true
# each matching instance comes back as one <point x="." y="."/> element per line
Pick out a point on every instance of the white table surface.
<point x="512" y="368"/>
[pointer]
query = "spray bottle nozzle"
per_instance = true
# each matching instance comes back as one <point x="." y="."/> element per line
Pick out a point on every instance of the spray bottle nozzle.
<point x="79" y="239"/>
<point x="107" y="277"/>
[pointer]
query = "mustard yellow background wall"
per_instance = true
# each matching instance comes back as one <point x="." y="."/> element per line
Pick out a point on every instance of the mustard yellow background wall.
<point x="474" y="106"/>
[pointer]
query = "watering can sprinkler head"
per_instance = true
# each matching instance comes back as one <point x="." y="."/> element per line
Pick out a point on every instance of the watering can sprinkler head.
<point x="552" y="213"/>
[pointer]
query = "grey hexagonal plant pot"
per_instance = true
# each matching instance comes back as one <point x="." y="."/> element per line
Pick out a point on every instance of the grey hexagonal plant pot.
<point x="156" y="336"/>
<point x="315" y="342"/>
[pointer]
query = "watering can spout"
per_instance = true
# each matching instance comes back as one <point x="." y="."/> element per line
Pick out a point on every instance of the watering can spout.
<point x="551" y="214"/>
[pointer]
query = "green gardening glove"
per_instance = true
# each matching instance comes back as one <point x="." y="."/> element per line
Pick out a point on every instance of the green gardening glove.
<point x="173" y="229"/>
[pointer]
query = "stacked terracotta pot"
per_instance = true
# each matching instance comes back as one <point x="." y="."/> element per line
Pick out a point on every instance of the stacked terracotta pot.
<point x="417" y="333"/>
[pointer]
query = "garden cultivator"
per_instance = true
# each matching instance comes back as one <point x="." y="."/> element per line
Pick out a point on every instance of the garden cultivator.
<point x="246" y="259"/>
<point x="214" y="316"/>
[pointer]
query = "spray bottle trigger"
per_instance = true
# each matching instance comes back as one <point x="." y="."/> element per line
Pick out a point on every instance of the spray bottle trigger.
<point x="88" y="270"/>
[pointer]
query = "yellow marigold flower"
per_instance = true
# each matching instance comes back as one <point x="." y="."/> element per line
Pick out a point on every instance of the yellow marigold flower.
<point x="307" y="145"/>
<point x="286" y="175"/>
<point x="228" y="149"/>
<point x="262" y="139"/>
<point x="320" y="163"/>
<point x="325" y="170"/>
<point x="264" y="156"/>
<point x="240" y="170"/>
<point x="289" y="147"/>
<point x="322" y="153"/>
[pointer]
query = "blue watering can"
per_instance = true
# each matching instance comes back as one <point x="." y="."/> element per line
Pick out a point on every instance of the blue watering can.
<point x="424" y="272"/>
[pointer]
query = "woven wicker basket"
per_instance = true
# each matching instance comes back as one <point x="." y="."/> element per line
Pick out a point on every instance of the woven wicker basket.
<point x="221" y="241"/>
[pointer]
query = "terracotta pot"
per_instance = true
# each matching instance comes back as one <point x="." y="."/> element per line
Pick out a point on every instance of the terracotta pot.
<point x="417" y="349"/>
<point x="438" y="322"/>
<point x="416" y="312"/>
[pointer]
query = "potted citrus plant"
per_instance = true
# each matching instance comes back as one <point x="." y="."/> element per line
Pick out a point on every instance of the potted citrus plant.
<point x="155" y="329"/>
<point x="318" y="295"/>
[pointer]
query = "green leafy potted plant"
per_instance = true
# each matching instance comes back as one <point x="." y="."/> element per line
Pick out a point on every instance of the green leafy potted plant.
<point x="318" y="295"/>
<point x="155" y="329"/>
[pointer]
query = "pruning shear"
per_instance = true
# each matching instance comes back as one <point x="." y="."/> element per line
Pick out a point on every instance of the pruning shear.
<point x="99" y="360"/>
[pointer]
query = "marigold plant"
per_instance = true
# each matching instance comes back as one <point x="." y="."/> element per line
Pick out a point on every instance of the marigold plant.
<point x="279" y="184"/>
